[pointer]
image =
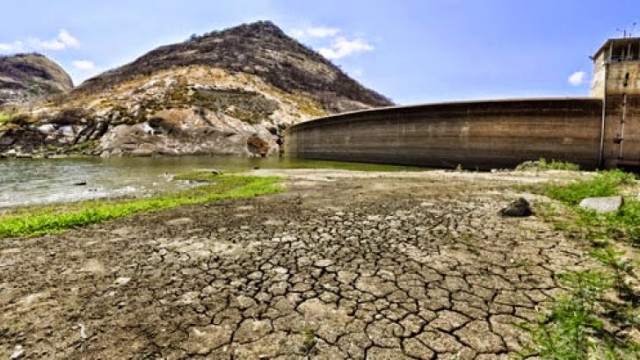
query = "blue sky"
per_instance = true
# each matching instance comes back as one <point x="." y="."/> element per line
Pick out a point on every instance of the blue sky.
<point x="409" y="50"/>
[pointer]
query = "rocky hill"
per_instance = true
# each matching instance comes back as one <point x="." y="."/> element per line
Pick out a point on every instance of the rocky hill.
<point x="228" y="92"/>
<point x="25" y="77"/>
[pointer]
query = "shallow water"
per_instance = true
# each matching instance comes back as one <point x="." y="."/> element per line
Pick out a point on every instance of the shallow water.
<point x="42" y="181"/>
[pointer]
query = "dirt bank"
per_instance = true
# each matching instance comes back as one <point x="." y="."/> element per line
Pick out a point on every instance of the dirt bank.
<point x="383" y="266"/>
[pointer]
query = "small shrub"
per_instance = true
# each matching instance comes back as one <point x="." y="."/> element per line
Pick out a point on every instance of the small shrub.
<point x="257" y="145"/>
<point x="543" y="164"/>
<point x="574" y="329"/>
<point x="19" y="119"/>
<point x="308" y="340"/>
<point x="620" y="267"/>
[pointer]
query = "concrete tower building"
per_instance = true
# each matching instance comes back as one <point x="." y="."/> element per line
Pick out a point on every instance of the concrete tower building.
<point x="616" y="80"/>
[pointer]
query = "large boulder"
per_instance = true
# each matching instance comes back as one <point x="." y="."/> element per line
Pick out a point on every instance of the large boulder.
<point x="602" y="204"/>
<point x="189" y="132"/>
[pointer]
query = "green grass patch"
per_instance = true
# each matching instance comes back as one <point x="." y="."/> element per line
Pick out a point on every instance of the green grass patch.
<point x="589" y="225"/>
<point x="308" y="340"/>
<point x="574" y="330"/>
<point x="576" y="327"/>
<point x="80" y="147"/>
<point x="4" y="118"/>
<point x="603" y="184"/>
<point x="38" y="221"/>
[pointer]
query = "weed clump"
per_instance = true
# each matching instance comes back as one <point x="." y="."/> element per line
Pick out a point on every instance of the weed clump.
<point x="576" y="327"/>
<point x="308" y="340"/>
<point x="543" y="164"/>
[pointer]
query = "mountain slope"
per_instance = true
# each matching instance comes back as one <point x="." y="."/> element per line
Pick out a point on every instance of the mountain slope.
<point x="231" y="92"/>
<point x="25" y="77"/>
<point x="259" y="48"/>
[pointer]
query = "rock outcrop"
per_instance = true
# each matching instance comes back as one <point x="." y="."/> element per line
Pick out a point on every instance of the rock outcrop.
<point x="229" y="92"/>
<point x="26" y="77"/>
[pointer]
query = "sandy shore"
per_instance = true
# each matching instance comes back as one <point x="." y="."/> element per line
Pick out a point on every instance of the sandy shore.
<point x="342" y="265"/>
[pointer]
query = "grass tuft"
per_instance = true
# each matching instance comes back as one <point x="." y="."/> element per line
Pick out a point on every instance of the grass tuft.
<point x="58" y="218"/>
<point x="308" y="340"/>
<point x="543" y="164"/>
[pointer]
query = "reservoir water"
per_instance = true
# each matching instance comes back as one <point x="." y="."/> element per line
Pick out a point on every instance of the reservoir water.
<point x="42" y="181"/>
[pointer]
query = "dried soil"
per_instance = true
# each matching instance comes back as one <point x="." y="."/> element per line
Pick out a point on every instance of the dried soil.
<point x="342" y="265"/>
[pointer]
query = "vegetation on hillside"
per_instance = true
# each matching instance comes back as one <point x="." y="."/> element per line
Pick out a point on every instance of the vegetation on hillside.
<point x="259" y="48"/>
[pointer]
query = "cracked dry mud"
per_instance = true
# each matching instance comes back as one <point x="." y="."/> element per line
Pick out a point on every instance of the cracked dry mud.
<point x="377" y="268"/>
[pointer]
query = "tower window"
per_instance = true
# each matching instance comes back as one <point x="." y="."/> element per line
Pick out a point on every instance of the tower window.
<point x="626" y="79"/>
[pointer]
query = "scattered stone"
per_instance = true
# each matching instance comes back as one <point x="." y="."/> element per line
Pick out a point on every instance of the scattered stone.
<point x="323" y="263"/>
<point x="93" y="266"/>
<point x="602" y="204"/>
<point x="83" y="331"/>
<point x="18" y="353"/>
<point x="122" y="281"/>
<point x="517" y="208"/>
<point x="280" y="270"/>
<point x="202" y="340"/>
<point x="179" y="221"/>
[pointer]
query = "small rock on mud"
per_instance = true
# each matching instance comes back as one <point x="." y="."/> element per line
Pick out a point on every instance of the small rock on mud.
<point x="517" y="208"/>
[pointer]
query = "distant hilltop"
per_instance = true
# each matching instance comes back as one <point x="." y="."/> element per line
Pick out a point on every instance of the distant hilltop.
<point x="230" y="92"/>
<point x="26" y="77"/>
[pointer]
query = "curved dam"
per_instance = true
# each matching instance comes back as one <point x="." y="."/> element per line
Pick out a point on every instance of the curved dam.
<point x="602" y="131"/>
<point x="475" y="135"/>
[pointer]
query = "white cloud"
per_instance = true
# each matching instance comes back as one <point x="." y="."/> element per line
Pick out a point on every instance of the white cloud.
<point x="84" y="65"/>
<point x="341" y="47"/>
<point x="14" y="47"/>
<point x="315" y="32"/>
<point x="322" y="32"/>
<point x="67" y="39"/>
<point x="62" y="41"/>
<point x="577" y="78"/>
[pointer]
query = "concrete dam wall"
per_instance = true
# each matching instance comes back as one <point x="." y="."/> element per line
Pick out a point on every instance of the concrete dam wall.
<point x="476" y="135"/>
<point x="598" y="132"/>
